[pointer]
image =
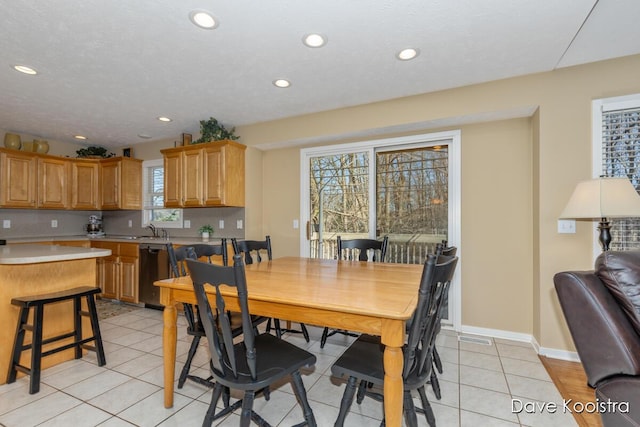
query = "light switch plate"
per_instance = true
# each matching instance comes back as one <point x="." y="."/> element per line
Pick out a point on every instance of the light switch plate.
<point x="187" y="223"/>
<point x="296" y="224"/>
<point x="239" y="224"/>
<point x="54" y="223"/>
<point x="6" y="223"/>
<point x="221" y="224"/>
<point x="566" y="226"/>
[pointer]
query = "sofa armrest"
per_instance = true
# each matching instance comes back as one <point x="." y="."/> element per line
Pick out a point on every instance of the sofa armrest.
<point x="606" y="341"/>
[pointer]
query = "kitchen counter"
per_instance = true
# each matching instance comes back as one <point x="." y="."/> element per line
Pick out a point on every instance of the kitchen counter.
<point x="32" y="253"/>
<point x="115" y="238"/>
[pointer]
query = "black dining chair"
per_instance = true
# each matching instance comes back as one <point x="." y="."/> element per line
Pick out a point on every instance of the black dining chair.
<point x="363" y="361"/>
<point x="252" y="250"/>
<point x="252" y="363"/>
<point x="444" y="250"/>
<point x="350" y="250"/>
<point x="177" y="257"/>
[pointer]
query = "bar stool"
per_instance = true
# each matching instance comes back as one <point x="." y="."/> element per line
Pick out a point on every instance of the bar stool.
<point x="37" y="302"/>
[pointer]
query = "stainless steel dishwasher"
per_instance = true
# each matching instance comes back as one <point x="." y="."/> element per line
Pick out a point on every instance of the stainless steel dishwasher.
<point x="154" y="265"/>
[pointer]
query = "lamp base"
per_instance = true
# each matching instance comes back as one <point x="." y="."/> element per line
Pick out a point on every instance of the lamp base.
<point x="605" y="234"/>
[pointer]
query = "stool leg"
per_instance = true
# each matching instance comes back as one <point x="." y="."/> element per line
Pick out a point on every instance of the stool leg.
<point x="77" y="325"/>
<point x="95" y="326"/>
<point x="36" y="349"/>
<point x="18" y="342"/>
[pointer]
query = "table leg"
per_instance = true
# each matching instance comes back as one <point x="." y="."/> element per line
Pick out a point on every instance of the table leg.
<point x="393" y="339"/>
<point x="169" y="338"/>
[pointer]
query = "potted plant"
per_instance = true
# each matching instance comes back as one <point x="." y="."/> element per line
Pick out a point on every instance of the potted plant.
<point x="94" y="152"/>
<point x="206" y="231"/>
<point x="212" y="130"/>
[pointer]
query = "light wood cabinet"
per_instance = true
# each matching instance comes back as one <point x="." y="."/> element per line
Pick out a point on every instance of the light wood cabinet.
<point x="202" y="175"/>
<point x="18" y="179"/>
<point x="117" y="274"/>
<point x="121" y="183"/>
<point x="53" y="183"/>
<point x="85" y="189"/>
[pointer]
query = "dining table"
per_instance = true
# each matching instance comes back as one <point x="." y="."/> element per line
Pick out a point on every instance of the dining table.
<point x="367" y="297"/>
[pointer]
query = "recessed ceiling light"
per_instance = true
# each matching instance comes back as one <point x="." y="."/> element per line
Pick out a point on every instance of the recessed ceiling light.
<point x="82" y="137"/>
<point x="203" y="19"/>
<point x="314" y="40"/>
<point x="282" y="83"/>
<point x="144" y="136"/>
<point x="164" y="119"/>
<point x="26" y="70"/>
<point x="407" y="54"/>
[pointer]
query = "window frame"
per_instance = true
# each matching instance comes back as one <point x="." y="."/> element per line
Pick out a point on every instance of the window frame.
<point x="146" y="209"/>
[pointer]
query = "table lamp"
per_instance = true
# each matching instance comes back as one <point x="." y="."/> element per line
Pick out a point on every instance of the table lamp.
<point x="600" y="199"/>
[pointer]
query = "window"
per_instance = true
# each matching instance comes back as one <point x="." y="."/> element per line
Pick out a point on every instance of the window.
<point x="617" y="154"/>
<point x="154" y="211"/>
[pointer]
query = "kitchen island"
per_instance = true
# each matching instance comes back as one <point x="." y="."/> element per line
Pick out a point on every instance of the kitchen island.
<point x="31" y="269"/>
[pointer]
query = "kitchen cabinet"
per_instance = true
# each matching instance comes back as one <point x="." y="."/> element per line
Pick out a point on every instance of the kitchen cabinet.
<point x="85" y="190"/>
<point x="121" y="183"/>
<point x="53" y="183"/>
<point x="117" y="275"/>
<point x="18" y="179"/>
<point x="203" y="175"/>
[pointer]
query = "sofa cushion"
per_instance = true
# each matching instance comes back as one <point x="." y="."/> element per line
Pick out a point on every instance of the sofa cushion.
<point x="620" y="272"/>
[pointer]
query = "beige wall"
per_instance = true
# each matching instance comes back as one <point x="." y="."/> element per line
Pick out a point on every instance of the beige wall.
<point x="552" y="152"/>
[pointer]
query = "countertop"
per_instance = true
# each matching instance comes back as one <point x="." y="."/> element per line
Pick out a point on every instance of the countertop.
<point x="38" y="253"/>
<point x="116" y="238"/>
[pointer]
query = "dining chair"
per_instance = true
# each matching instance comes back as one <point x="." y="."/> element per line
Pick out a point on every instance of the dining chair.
<point x="252" y="363"/>
<point x="363" y="361"/>
<point x="349" y="250"/>
<point x="177" y="257"/>
<point x="252" y="249"/>
<point x="444" y="250"/>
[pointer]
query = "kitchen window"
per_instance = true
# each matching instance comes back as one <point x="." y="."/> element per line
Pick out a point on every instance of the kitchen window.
<point x="154" y="211"/>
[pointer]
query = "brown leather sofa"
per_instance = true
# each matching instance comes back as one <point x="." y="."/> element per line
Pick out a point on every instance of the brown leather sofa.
<point x="602" y="310"/>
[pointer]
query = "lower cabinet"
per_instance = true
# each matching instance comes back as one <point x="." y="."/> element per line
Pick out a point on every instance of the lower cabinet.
<point x="117" y="274"/>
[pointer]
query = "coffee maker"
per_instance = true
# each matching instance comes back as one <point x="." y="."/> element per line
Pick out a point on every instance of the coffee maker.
<point x="94" y="228"/>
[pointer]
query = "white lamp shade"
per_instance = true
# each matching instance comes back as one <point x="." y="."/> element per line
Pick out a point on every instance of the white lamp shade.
<point x="603" y="198"/>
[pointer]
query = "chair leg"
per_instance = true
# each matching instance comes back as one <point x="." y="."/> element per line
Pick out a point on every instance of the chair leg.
<point x="276" y="325"/>
<point x="304" y="331"/>
<point x="362" y="391"/>
<point x="247" y="408"/>
<point x="323" y="340"/>
<point x="409" y="410"/>
<point x="36" y="350"/>
<point x="436" y="360"/>
<point x="301" y="394"/>
<point x="435" y="384"/>
<point x="18" y="343"/>
<point x="347" y="400"/>
<point x="187" y="365"/>
<point x="77" y="325"/>
<point x="211" y="411"/>
<point x="426" y="408"/>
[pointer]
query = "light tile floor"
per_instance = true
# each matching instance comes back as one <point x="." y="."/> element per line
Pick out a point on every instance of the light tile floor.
<point x="479" y="385"/>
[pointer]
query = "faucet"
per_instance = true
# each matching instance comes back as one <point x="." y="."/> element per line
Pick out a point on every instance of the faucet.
<point x="152" y="227"/>
<point x="165" y="234"/>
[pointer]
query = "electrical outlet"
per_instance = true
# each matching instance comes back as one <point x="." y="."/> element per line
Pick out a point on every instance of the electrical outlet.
<point x="187" y="223"/>
<point x="6" y="223"/>
<point x="54" y="223"/>
<point x="239" y="224"/>
<point x="221" y="224"/>
<point x="130" y="223"/>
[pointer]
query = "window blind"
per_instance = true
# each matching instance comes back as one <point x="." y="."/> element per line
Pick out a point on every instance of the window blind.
<point x="621" y="157"/>
<point x="154" y="194"/>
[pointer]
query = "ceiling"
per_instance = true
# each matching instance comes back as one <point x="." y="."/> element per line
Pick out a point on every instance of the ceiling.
<point x="108" y="70"/>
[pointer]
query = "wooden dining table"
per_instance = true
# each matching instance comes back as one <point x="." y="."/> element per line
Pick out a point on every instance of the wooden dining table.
<point x="368" y="297"/>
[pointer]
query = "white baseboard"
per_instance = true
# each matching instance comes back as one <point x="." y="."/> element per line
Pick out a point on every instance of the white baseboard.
<point x="517" y="336"/>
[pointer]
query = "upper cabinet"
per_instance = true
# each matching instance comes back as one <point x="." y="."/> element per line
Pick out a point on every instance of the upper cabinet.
<point x="18" y="179"/>
<point x="121" y="183"/>
<point x="31" y="180"/>
<point x="202" y="175"/>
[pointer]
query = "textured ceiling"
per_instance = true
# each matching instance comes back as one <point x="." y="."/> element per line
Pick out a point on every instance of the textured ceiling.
<point x="108" y="69"/>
